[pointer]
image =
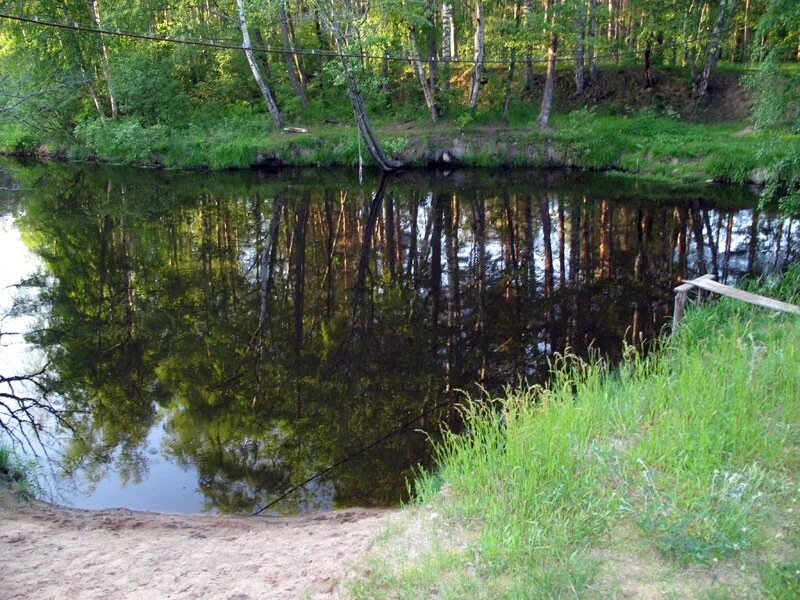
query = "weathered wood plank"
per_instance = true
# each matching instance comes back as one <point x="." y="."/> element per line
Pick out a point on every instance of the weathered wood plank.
<point x="725" y="290"/>
<point x="687" y="286"/>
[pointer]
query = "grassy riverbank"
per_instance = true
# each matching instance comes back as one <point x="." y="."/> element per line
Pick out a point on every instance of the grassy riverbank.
<point x="646" y="144"/>
<point x="674" y="476"/>
<point x="658" y="133"/>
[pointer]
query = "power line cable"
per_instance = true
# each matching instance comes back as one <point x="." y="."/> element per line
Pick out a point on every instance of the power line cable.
<point x="221" y="45"/>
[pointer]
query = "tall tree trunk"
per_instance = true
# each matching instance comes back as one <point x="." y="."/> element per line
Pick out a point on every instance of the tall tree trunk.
<point x="477" y="70"/>
<point x="427" y="88"/>
<point x="295" y="76"/>
<point x="648" y="75"/>
<point x="448" y="42"/>
<point x="580" y="40"/>
<point x="593" y="38"/>
<point x="549" y="84"/>
<point x="527" y="15"/>
<point x="511" y="65"/>
<point x="94" y="11"/>
<point x="724" y="16"/>
<point x="266" y="92"/>
<point x="746" y="34"/>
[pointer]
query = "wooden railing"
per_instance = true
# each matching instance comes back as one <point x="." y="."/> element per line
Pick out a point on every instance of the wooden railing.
<point x="706" y="283"/>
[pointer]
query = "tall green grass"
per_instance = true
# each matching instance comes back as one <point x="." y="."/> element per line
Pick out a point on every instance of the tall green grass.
<point x="16" y="473"/>
<point x="688" y="454"/>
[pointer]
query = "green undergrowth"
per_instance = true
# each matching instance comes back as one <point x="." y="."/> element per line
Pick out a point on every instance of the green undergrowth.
<point x="673" y="475"/>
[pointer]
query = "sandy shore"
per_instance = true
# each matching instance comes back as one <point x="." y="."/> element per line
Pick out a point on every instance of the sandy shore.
<point x="52" y="552"/>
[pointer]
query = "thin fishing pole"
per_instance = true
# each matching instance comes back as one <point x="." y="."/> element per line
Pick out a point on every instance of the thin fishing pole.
<point x="211" y="43"/>
<point x="353" y="455"/>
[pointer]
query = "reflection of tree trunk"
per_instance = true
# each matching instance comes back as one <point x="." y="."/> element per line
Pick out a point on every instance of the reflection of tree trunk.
<point x="574" y="240"/>
<point x="451" y="239"/>
<point x="544" y="214"/>
<point x="606" y="237"/>
<point x="412" y="270"/>
<point x="268" y="254"/>
<point x="301" y="218"/>
<point x="778" y="236"/>
<point x="711" y="243"/>
<point x="510" y="247"/>
<point x="527" y="254"/>
<point x="753" y="244"/>
<point x="451" y="220"/>
<point x="436" y="260"/>
<point x="587" y="269"/>
<point x="562" y="267"/>
<point x="727" y="259"/>
<point x="697" y="227"/>
<point x="329" y="248"/>
<point x="366" y="241"/>
<point x="479" y="233"/>
<point x="389" y="246"/>
<point x="682" y="225"/>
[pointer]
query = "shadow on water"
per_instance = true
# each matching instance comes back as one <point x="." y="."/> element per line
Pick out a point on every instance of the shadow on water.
<point x="251" y="329"/>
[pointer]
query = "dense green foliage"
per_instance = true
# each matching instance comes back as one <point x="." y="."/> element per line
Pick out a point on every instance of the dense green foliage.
<point x="601" y="477"/>
<point x="158" y="103"/>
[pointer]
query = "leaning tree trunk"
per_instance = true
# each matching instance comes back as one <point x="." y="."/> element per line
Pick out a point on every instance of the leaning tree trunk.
<point x="427" y="86"/>
<point x="288" y="56"/>
<point x="266" y="92"/>
<point x="94" y="11"/>
<point x="726" y="10"/>
<point x="549" y="84"/>
<point x="359" y="110"/>
<point x="477" y="71"/>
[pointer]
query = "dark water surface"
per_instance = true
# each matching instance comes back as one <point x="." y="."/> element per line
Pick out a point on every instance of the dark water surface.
<point x="220" y="337"/>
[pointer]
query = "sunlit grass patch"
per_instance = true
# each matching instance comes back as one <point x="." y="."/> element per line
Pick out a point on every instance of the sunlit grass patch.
<point x="679" y="456"/>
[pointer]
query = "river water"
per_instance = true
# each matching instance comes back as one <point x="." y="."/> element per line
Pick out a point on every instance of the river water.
<point x="216" y="338"/>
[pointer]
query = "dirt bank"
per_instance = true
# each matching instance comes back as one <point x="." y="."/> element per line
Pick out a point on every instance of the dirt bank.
<point x="51" y="552"/>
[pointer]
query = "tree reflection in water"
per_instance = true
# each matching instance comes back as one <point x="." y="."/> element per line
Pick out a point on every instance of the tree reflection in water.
<point x="277" y="322"/>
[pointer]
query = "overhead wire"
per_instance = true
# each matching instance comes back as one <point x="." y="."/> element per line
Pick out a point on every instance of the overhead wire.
<point x="268" y="49"/>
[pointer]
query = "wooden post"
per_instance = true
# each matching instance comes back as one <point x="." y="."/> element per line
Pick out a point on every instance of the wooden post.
<point x="680" y="303"/>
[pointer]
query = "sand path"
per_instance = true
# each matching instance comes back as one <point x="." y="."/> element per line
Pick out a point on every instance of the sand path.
<point x="52" y="552"/>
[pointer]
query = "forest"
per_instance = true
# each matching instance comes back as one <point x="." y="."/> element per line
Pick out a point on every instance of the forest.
<point x="651" y="87"/>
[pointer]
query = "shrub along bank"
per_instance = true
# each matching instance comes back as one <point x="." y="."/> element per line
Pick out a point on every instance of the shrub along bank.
<point x="676" y="473"/>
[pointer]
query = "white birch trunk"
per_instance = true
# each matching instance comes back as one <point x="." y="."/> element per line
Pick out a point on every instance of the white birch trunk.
<point x="266" y="92"/>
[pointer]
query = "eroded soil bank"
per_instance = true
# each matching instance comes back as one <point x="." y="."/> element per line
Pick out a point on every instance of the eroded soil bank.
<point x="53" y="552"/>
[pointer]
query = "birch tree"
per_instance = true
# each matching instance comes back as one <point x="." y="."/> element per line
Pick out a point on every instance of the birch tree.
<point x="266" y="91"/>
